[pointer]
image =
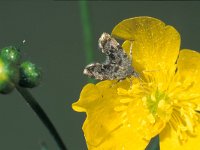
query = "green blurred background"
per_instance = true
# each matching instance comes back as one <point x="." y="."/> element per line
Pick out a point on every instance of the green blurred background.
<point x="55" y="42"/>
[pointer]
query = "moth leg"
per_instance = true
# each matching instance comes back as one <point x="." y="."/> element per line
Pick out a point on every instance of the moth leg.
<point x="131" y="83"/>
<point x="137" y="75"/>
<point x="115" y="83"/>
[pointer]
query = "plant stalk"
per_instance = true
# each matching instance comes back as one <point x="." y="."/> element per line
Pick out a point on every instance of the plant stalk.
<point x="31" y="101"/>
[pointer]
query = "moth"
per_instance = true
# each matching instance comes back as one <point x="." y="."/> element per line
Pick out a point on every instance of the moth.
<point x="117" y="65"/>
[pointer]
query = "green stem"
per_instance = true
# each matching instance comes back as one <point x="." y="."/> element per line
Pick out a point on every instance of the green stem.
<point x="87" y="33"/>
<point x="43" y="146"/>
<point x="42" y="115"/>
<point x="154" y="144"/>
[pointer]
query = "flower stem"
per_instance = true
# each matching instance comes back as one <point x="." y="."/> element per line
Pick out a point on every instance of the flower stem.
<point x="42" y="115"/>
<point x="87" y="32"/>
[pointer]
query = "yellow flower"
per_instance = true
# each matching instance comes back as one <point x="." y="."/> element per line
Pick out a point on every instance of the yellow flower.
<point x="164" y="101"/>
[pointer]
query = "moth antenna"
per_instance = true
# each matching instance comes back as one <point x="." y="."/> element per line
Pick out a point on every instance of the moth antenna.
<point x="150" y="70"/>
<point x="130" y="51"/>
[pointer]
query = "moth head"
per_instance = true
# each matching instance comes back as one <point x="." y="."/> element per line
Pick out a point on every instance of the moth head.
<point x="106" y="43"/>
<point x="91" y="69"/>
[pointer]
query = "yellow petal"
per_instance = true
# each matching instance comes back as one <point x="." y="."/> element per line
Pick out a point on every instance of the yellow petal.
<point x="124" y="138"/>
<point x="106" y="130"/>
<point x="169" y="140"/>
<point x="189" y="65"/>
<point x="139" y="118"/>
<point x="155" y="46"/>
<point x="188" y="75"/>
<point x="105" y="127"/>
<point x="88" y="95"/>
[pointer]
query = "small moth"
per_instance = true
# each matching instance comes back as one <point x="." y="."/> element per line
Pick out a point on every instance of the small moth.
<point x="117" y="64"/>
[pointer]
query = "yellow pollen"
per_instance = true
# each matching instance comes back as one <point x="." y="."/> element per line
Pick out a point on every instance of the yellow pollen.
<point x="126" y="100"/>
<point x="151" y="118"/>
<point x="144" y="99"/>
<point x="120" y="108"/>
<point x="161" y="104"/>
<point x="153" y="98"/>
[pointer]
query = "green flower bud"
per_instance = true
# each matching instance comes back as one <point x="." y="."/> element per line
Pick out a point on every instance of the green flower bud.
<point x="30" y="75"/>
<point x="10" y="54"/>
<point x="9" y="75"/>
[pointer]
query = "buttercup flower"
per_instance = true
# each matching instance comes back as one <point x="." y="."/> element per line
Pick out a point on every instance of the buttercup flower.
<point x="164" y="100"/>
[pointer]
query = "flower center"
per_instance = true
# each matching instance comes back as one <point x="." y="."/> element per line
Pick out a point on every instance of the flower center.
<point x="159" y="105"/>
<point x="155" y="101"/>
